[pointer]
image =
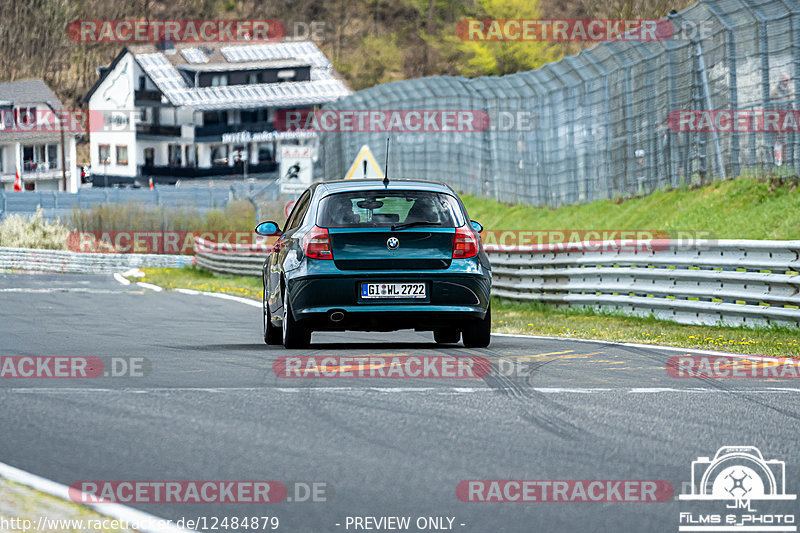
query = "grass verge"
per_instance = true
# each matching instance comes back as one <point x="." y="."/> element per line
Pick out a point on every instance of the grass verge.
<point x="541" y="319"/>
<point x="744" y="208"/>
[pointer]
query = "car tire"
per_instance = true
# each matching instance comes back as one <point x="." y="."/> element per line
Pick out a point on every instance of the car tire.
<point x="295" y="335"/>
<point x="272" y="334"/>
<point x="447" y="336"/>
<point x="478" y="334"/>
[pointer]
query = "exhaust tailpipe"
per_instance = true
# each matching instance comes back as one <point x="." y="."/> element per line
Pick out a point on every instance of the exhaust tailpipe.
<point x="336" y="316"/>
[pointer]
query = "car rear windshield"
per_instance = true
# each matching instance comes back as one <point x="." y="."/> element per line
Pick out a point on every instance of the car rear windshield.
<point x="367" y="209"/>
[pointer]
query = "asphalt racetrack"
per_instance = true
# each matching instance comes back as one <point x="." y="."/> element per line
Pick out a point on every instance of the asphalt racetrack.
<point x="210" y="407"/>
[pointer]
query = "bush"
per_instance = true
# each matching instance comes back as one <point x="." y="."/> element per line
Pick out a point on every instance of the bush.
<point x="17" y="231"/>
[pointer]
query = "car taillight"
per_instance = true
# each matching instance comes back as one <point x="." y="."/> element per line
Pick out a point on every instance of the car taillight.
<point x="317" y="244"/>
<point x="465" y="243"/>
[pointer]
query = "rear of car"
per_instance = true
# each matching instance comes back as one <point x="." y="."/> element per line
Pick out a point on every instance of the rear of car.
<point x="382" y="258"/>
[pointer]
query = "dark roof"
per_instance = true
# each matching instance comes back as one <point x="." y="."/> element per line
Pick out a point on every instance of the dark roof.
<point x="162" y="69"/>
<point x="31" y="91"/>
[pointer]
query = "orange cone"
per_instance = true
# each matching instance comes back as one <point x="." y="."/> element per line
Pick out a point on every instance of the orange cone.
<point x="17" y="182"/>
<point x="151" y="184"/>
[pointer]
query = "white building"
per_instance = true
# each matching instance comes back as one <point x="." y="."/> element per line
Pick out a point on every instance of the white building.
<point x="200" y="110"/>
<point x="31" y="141"/>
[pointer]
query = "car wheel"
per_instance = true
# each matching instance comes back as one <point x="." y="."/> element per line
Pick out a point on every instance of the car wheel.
<point x="272" y="334"/>
<point x="447" y="336"/>
<point x="294" y="335"/>
<point x="478" y="334"/>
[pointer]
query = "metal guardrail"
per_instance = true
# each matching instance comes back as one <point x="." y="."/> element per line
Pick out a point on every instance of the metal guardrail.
<point x="233" y="259"/>
<point x="61" y="204"/>
<point x="737" y="282"/>
<point x="36" y="260"/>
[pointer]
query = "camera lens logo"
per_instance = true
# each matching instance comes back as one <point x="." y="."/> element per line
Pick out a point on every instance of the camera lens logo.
<point x="738" y="473"/>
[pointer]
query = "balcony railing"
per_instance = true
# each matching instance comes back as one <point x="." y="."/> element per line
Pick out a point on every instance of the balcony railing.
<point x="194" y="172"/>
<point x="158" y="129"/>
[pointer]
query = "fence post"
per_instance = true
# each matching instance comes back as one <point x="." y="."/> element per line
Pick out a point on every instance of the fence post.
<point x="701" y="64"/>
<point x="733" y="87"/>
<point x="763" y="51"/>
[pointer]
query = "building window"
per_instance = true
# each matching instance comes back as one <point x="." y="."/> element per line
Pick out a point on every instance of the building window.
<point x="26" y="116"/>
<point x="266" y="152"/>
<point x="252" y="78"/>
<point x="52" y="156"/>
<point x="286" y="75"/>
<point x="174" y="155"/>
<point x="219" y="80"/>
<point x="219" y="155"/>
<point x="149" y="157"/>
<point x="122" y="155"/>
<point x="104" y="154"/>
<point x="191" y="155"/>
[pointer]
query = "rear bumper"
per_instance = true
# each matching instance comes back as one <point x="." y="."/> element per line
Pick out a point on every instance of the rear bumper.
<point x="450" y="300"/>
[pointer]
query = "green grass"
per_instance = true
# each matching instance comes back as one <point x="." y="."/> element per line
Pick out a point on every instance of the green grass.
<point x="745" y="208"/>
<point x="540" y="319"/>
<point x="201" y="280"/>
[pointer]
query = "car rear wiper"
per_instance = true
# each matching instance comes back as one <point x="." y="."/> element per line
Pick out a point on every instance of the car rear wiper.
<point x="412" y="224"/>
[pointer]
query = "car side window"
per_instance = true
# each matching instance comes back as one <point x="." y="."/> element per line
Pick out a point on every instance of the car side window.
<point x="298" y="213"/>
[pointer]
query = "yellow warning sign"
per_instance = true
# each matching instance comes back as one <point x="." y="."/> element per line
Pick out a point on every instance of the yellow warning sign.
<point x="364" y="166"/>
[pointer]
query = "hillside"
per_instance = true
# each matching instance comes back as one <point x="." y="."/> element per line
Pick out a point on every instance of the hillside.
<point x="369" y="41"/>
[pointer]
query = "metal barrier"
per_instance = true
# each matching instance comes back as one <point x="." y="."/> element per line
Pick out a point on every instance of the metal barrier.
<point x="233" y="259"/>
<point x="61" y="204"/>
<point x="35" y="260"/>
<point x="737" y="282"/>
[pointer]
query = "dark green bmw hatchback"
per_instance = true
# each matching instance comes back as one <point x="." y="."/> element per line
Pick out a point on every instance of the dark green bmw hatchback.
<point x="377" y="256"/>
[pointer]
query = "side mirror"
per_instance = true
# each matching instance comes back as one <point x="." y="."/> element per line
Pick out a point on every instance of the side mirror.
<point x="476" y="226"/>
<point x="268" y="229"/>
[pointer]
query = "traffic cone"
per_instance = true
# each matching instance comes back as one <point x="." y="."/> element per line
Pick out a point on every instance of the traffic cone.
<point x="17" y="182"/>
<point x="151" y="184"/>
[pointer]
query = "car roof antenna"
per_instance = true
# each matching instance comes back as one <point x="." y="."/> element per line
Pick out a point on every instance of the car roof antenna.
<point x="386" y="166"/>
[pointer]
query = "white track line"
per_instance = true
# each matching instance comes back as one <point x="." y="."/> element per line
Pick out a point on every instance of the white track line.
<point x="145" y="522"/>
<point x="647" y="346"/>
<point x="150" y="286"/>
<point x="120" y="278"/>
<point x="246" y="301"/>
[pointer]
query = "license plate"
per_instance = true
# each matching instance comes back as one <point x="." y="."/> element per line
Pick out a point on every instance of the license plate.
<point x="393" y="290"/>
